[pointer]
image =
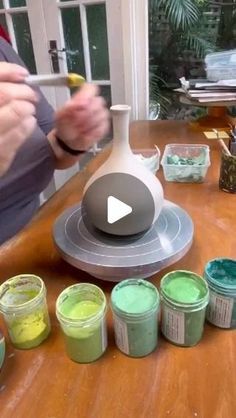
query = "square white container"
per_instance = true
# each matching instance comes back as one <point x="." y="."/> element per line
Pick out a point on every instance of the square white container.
<point x="221" y="65"/>
<point x="221" y="73"/>
<point x="221" y="58"/>
<point x="185" y="173"/>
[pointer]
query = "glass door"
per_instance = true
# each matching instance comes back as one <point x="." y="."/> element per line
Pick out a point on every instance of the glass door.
<point x="77" y="41"/>
<point x="18" y="18"/>
<point x="105" y="40"/>
<point x="81" y="34"/>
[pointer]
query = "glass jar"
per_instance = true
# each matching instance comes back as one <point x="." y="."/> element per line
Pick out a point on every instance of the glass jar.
<point x="24" y="307"/>
<point x="184" y="297"/>
<point x="220" y="274"/>
<point x="227" y="181"/>
<point x="135" y="306"/>
<point x="81" y="311"/>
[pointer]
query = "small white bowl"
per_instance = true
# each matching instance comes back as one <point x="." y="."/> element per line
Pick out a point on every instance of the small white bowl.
<point x="150" y="158"/>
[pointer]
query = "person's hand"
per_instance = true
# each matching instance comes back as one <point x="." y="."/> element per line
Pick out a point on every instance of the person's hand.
<point x="83" y="120"/>
<point x="17" y="109"/>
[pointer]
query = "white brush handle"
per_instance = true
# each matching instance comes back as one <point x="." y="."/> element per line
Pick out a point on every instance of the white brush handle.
<point x="47" y="80"/>
<point x="224" y="147"/>
<point x="69" y="80"/>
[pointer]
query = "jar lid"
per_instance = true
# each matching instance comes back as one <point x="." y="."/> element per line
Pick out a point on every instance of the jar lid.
<point x="81" y="304"/>
<point x="185" y="288"/>
<point x="134" y="297"/>
<point x="221" y="273"/>
<point x="21" y="292"/>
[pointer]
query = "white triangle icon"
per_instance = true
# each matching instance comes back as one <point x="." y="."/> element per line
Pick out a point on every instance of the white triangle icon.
<point x="116" y="209"/>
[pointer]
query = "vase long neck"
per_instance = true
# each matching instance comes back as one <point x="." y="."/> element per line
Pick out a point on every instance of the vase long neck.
<point x="120" y="116"/>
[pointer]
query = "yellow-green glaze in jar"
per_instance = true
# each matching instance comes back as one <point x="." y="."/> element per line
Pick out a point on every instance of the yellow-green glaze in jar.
<point x="24" y="307"/>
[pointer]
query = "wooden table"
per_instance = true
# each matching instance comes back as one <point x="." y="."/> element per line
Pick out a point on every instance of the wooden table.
<point x="171" y="382"/>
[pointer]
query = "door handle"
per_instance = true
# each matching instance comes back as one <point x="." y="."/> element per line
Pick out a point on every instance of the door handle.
<point x="54" y="51"/>
<point x="54" y="54"/>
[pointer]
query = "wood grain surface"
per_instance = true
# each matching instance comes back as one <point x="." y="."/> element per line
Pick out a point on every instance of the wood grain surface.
<point x="172" y="382"/>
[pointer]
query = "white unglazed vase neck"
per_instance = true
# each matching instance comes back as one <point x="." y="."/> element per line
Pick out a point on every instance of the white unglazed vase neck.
<point x="120" y="116"/>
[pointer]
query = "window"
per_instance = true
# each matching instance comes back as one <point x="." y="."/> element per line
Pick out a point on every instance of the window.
<point x="181" y="33"/>
<point x="14" y="19"/>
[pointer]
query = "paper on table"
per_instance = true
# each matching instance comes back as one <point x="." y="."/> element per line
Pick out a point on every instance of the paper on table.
<point x="225" y="83"/>
<point x="212" y="135"/>
<point x="216" y="99"/>
<point x="212" y="94"/>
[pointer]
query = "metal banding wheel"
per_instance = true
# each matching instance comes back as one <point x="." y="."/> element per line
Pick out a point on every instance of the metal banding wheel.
<point x="112" y="258"/>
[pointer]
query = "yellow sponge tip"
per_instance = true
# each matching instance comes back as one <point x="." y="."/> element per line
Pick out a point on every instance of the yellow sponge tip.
<point x="75" y="80"/>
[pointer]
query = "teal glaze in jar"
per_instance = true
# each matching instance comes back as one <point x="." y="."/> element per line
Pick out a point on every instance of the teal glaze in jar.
<point x="184" y="297"/>
<point x="135" y="306"/>
<point x="220" y="274"/>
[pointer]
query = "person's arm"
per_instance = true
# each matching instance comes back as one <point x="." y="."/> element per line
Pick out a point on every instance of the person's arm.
<point x="17" y="110"/>
<point x="44" y="112"/>
<point x="83" y="121"/>
<point x="79" y="124"/>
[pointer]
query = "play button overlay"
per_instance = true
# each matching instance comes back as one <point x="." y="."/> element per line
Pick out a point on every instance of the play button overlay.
<point x="116" y="210"/>
<point x="118" y="204"/>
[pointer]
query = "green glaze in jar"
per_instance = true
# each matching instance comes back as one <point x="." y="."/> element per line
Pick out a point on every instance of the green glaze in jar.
<point x="135" y="305"/>
<point x="220" y="274"/>
<point x="24" y="307"/>
<point x="184" y="297"/>
<point x="81" y="311"/>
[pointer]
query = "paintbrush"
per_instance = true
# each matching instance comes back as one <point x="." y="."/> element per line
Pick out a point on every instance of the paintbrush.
<point x="222" y="144"/>
<point x="232" y="139"/>
<point x="70" y="80"/>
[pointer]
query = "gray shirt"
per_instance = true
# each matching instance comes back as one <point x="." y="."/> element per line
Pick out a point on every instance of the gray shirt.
<point x="32" y="169"/>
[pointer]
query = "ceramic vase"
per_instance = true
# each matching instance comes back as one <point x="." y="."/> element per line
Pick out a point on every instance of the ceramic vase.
<point x="122" y="160"/>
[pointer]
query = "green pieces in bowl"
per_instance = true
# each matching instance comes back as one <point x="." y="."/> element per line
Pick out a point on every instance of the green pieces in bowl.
<point x="175" y="159"/>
